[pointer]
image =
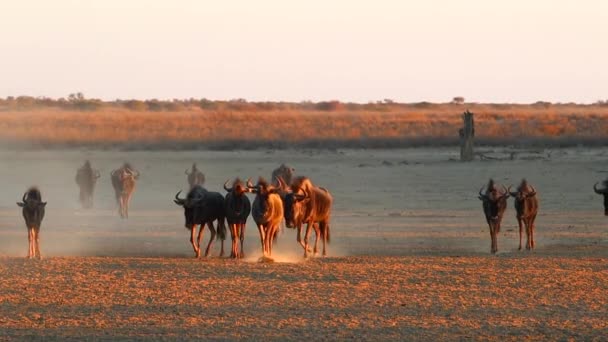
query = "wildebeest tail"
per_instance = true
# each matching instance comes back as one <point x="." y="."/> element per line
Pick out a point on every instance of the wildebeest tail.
<point x="221" y="230"/>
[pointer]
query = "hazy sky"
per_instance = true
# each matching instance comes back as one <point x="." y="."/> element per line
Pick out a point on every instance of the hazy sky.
<point x="408" y="51"/>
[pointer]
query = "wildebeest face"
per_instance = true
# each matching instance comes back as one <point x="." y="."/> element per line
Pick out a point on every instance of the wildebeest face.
<point x="292" y="207"/>
<point x="492" y="203"/>
<point x="603" y="191"/>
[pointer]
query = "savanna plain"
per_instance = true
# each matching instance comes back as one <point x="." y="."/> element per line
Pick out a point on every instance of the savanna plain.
<point x="409" y="257"/>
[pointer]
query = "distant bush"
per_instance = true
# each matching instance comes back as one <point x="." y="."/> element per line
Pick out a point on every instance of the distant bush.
<point x="329" y="106"/>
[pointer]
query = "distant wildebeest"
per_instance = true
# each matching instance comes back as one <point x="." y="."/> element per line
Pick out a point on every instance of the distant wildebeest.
<point x="195" y="176"/>
<point x="33" y="213"/>
<point x="306" y="203"/>
<point x="237" y="207"/>
<point x="123" y="181"/>
<point x="267" y="212"/>
<point x="526" y="207"/>
<point x="284" y="172"/>
<point x="202" y="207"/>
<point x="603" y="191"/>
<point x="494" y="206"/>
<point x="86" y="178"/>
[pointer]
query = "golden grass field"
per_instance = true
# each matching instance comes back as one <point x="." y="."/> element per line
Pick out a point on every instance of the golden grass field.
<point x="409" y="257"/>
<point x="379" y="126"/>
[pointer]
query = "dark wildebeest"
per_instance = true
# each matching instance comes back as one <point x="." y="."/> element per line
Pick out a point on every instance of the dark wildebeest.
<point x="526" y="207"/>
<point x="494" y="205"/>
<point x="284" y="172"/>
<point x="306" y="203"/>
<point x="86" y="177"/>
<point x="33" y="213"/>
<point x="202" y="207"/>
<point x="603" y="191"/>
<point x="123" y="181"/>
<point x="237" y="207"/>
<point x="195" y="176"/>
<point x="267" y="212"/>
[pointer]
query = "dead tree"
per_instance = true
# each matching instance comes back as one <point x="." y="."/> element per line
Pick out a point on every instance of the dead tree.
<point x="467" y="133"/>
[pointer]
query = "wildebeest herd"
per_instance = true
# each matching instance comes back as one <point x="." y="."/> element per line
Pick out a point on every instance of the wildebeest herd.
<point x="293" y="200"/>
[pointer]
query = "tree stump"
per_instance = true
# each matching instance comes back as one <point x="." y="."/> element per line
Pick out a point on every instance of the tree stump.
<point x="467" y="133"/>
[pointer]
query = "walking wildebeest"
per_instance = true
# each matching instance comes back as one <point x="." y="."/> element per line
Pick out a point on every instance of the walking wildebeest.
<point x="603" y="191"/>
<point x="526" y="207"/>
<point x="202" y="207"/>
<point x="494" y="205"/>
<point x="123" y="181"/>
<point x="267" y="212"/>
<point x="309" y="204"/>
<point x="284" y="172"/>
<point x="237" y="207"/>
<point x="33" y="213"/>
<point x="86" y="178"/>
<point x="195" y="176"/>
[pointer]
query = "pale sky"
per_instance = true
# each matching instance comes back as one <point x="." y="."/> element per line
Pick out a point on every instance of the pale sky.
<point x="280" y="50"/>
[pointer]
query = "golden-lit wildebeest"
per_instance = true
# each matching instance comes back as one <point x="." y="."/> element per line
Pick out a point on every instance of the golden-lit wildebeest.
<point x="123" y="182"/>
<point x="267" y="212"/>
<point x="202" y="207"/>
<point x="195" y="176"/>
<point x="603" y="191"/>
<point x="307" y="203"/>
<point x="526" y="208"/>
<point x="86" y="178"/>
<point x="33" y="213"/>
<point x="494" y="206"/>
<point x="237" y="207"/>
<point x="284" y="172"/>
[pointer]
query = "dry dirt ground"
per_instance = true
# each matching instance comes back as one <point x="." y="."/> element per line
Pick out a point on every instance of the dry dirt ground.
<point x="409" y="257"/>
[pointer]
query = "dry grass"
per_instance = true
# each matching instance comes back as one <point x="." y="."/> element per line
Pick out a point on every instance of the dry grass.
<point x="360" y="298"/>
<point x="386" y="126"/>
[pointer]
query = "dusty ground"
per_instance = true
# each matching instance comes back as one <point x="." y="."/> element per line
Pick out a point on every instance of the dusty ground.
<point x="409" y="257"/>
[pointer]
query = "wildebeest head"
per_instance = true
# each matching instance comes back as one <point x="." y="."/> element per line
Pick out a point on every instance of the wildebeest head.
<point x="603" y="191"/>
<point x="292" y="203"/>
<point x="523" y="191"/>
<point x="237" y="187"/>
<point x="262" y="188"/>
<point x="492" y="200"/>
<point x="283" y="171"/>
<point x="32" y="199"/>
<point x="195" y="196"/>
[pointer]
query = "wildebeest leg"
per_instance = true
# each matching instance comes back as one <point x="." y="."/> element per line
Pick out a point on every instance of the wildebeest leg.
<point x="492" y="238"/>
<point x="37" y="240"/>
<point x="30" y="238"/>
<point x="532" y="229"/>
<point x="315" y="226"/>
<point x="242" y="238"/>
<point x="262" y="238"/>
<point x="306" y="236"/>
<point x="324" y="228"/>
<point x="234" y="236"/>
<point x="211" y="238"/>
<point x="519" y="222"/>
<point x="197" y="250"/>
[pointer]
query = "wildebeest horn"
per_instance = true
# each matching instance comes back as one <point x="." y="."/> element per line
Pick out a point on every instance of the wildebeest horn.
<point x="97" y="174"/>
<point x="598" y="191"/>
<point x="299" y="197"/>
<point x="533" y="193"/>
<point x="249" y="184"/>
<point x="505" y="192"/>
<point x="481" y="195"/>
<point x="23" y="199"/>
<point x="226" y="186"/>
<point x="514" y="194"/>
<point x="281" y="182"/>
<point x="112" y="173"/>
<point x="186" y="172"/>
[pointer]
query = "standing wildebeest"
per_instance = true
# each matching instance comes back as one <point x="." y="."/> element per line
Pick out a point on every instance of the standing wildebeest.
<point x="306" y="203"/>
<point x="284" y="172"/>
<point x="237" y="207"/>
<point x="267" y="212"/>
<point x="195" y="176"/>
<point x="123" y="181"/>
<point x="202" y="207"/>
<point x="494" y="205"/>
<point x="526" y="207"/>
<point x="86" y="177"/>
<point x="33" y="213"/>
<point x="603" y="191"/>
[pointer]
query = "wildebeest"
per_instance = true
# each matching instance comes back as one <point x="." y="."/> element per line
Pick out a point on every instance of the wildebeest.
<point x="526" y="208"/>
<point x="202" y="207"/>
<point x="494" y="206"/>
<point x="267" y="212"/>
<point x="33" y="213"/>
<point x="86" y="178"/>
<point x="195" y="176"/>
<point x="603" y="191"/>
<point x="123" y="181"/>
<point x="284" y="172"/>
<point x="237" y="207"/>
<point x="309" y="204"/>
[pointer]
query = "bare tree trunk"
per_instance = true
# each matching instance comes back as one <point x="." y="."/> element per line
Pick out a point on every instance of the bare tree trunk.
<point x="466" y="137"/>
